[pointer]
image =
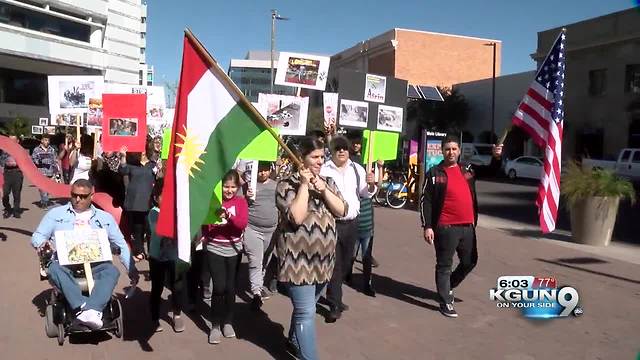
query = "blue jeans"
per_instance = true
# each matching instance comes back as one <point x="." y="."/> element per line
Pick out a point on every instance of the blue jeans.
<point x="362" y="243"/>
<point x="105" y="277"/>
<point x="302" y="331"/>
<point x="44" y="197"/>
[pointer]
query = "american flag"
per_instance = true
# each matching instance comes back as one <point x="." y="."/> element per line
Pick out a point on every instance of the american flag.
<point x="541" y="114"/>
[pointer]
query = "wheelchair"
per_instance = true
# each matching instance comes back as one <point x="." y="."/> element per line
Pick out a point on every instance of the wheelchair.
<point x="60" y="319"/>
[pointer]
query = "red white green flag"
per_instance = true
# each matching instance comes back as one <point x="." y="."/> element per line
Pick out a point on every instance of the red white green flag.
<point x="213" y="123"/>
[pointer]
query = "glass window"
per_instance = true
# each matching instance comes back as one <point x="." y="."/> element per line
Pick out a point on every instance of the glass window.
<point x="636" y="157"/>
<point x="597" y="82"/>
<point x="143" y="19"/>
<point x="34" y="20"/>
<point x="625" y="155"/>
<point x="25" y="88"/>
<point x="632" y="78"/>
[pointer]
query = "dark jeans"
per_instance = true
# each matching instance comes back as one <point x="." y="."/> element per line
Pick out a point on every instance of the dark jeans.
<point x="347" y="234"/>
<point x="161" y="271"/>
<point x="12" y="185"/>
<point x="364" y="244"/>
<point x="137" y="226"/>
<point x="66" y="175"/>
<point x="223" y="271"/>
<point x="447" y="241"/>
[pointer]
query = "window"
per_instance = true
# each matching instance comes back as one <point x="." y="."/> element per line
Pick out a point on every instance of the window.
<point x="25" y="88"/>
<point x="143" y="19"/>
<point x="45" y="23"/>
<point x="143" y="35"/>
<point x="141" y="51"/>
<point x="625" y="156"/>
<point x="597" y="82"/>
<point x="140" y="77"/>
<point x="632" y="79"/>
<point x="636" y="157"/>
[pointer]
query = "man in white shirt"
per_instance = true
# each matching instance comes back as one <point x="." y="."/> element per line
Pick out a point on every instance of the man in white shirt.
<point x="353" y="183"/>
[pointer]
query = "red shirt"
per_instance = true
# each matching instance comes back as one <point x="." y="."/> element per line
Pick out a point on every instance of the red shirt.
<point x="458" y="203"/>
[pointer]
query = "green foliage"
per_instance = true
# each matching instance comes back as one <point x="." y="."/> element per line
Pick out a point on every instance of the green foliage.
<point x="18" y="127"/>
<point x="450" y="115"/>
<point x="580" y="183"/>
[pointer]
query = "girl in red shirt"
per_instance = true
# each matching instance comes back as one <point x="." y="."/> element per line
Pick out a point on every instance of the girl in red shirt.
<point x="223" y="242"/>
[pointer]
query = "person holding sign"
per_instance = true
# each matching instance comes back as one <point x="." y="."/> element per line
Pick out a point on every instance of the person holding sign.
<point x="80" y="216"/>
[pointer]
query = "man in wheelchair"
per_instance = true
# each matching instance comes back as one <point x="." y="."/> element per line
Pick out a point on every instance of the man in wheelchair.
<point x="79" y="214"/>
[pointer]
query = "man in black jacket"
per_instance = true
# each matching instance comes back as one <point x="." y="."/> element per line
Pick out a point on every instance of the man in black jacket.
<point x="449" y="214"/>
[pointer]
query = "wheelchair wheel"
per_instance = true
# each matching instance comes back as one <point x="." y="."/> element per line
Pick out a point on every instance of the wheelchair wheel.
<point x="60" y="334"/>
<point x="397" y="197"/>
<point x="119" y="330"/>
<point x="50" y="328"/>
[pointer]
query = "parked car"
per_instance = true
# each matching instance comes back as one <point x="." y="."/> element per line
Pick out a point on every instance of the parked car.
<point x="524" y="167"/>
<point x="476" y="154"/>
<point x="626" y="166"/>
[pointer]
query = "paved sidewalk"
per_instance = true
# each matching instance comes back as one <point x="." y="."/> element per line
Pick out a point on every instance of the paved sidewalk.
<point x="402" y="322"/>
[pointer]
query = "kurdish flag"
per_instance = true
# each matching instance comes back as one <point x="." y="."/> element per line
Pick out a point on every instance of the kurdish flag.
<point x="213" y="123"/>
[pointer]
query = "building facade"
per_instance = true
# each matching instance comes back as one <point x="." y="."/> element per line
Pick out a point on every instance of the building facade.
<point x="252" y="75"/>
<point x="602" y="79"/>
<point x="421" y="57"/>
<point x="67" y="37"/>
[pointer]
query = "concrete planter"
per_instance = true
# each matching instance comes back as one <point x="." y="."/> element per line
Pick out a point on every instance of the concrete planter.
<point x="593" y="219"/>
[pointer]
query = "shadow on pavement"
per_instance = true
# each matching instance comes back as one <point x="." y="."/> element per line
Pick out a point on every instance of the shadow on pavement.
<point x="40" y="301"/>
<point x="16" y="230"/>
<point x="565" y="263"/>
<point x="536" y="234"/>
<point x="401" y="291"/>
<point x="257" y="328"/>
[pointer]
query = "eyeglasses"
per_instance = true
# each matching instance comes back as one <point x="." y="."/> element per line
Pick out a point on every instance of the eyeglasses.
<point x="340" y="148"/>
<point x="81" y="196"/>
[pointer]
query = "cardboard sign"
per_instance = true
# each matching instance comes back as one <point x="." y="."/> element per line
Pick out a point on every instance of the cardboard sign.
<point x="385" y="145"/>
<point x="302" y="70"/>
<point x="82" y="246"/>
<point x="124" y="122"/>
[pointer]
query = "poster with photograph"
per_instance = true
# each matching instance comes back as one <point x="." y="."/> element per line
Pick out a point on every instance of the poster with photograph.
<point x="82" y="245"/>
<point x="36" y="129"/>
<point x="156" y="103"/>
<point x="43" y="121"/>
<point x="124" y="122"/>
<point x="50" y="130"/>
<point x="389" y="118"/>
<point x="250" y="175"/>
<point x="432" y="145"/>
<point x="330" y="105"/>
<point x="302" y="70"/>
<point x="67" y="119"/>
<point x="72" y="94"/>
<point x="375" y="88"/>
<point x="94" y="114"/>
<point x="288" y="114"/>
<point x="353" y="113"/>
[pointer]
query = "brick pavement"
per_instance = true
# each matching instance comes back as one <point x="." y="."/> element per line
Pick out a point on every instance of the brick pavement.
<point x="402" y="322"/>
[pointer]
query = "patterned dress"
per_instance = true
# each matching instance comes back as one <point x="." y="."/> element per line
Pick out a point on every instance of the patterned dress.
<point x="306" y="253"/>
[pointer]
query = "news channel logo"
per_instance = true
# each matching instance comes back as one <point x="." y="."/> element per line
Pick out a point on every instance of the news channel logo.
<point x="536" y="297"/>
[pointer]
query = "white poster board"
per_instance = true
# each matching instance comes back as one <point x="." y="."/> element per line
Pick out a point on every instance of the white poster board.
<point x="251" y="176"/>
<point x="389" y="118"/>
<point x="72" y="95"/>
<point x="302" y="70"/>
<point x="330" y="105"/>
<point x="375" y="88"/>
<point x="286" y="113"/>
<point x="354" y="113"/>
<point x="82" y="245"/>
<point x="156" y="104"/>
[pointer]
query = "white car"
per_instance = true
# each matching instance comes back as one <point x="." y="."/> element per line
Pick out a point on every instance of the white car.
<point x="524" y="167"/>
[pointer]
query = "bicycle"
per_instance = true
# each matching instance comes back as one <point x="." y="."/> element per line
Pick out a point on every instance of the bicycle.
<point x="401" y="188"/>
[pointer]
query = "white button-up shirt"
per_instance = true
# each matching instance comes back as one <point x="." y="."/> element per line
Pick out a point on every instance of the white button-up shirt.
<point x="347" y="183"/>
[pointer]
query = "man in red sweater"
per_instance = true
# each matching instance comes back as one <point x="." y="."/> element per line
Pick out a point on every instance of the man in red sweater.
<point x="449" y="213"/>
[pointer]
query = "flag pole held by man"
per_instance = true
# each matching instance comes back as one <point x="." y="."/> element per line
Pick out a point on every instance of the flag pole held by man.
<point x="213" y="123"/>
<point x="540" y="114"/>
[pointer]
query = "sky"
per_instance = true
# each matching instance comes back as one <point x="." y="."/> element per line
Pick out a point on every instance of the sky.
<point x="229" y="29"/>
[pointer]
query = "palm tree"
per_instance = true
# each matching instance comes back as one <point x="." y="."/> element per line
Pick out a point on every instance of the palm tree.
<point x="18" y="127"/>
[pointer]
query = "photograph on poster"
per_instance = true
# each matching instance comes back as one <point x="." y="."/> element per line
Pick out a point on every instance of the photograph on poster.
<point x="353" y="113"/>
<point x="43" y="121"/>
<point x="36" y="130"/>
<point x="123" y="127"/>
<point x="302" y="70"/>
<point x="69" y="119"/>
<point x="330" y="102"/>
<point x="75" y="94"/>
<point x="50" y="130"/>
<point x="375" y="88"/>
<point x="389" y="118"/>
<point x="94" y="115"/>
<point x="80" y="246"/>
<point x="286" y="113"/>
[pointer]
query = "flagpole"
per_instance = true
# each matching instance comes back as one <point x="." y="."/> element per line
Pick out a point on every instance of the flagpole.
<point x="213" y="66"/>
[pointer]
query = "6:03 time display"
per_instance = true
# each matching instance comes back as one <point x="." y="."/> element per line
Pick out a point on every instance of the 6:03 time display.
<point x="515" y="282"/>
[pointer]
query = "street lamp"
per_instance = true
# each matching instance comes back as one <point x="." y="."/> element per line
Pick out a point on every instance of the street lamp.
<point x="274" y="17"/>
<point x="493" y="93"/>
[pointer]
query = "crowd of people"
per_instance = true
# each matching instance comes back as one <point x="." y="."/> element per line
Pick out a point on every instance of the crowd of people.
<point x="324" y="218"/>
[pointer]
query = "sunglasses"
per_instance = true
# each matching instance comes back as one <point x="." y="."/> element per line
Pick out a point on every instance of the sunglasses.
<point x="81" y="196"/>
<point x="340" y="148"/>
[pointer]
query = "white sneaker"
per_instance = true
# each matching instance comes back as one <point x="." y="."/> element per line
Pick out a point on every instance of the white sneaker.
<point x="91" y="318"/>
